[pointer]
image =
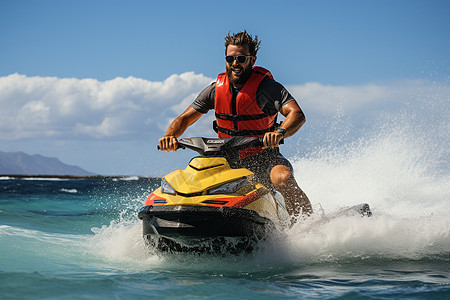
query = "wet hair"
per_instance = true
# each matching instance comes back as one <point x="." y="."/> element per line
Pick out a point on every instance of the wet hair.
<point x="243" y="38"/>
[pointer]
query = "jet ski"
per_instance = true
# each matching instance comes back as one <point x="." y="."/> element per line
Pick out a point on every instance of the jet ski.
<point x="212" y="206"/>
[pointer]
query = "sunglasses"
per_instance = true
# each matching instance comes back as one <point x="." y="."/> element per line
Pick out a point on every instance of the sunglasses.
<point x="242" y="59"/>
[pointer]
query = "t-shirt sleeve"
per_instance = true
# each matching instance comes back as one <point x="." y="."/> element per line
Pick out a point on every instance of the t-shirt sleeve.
<point x="285" y="97"/>
<point x="273" y="96"/>
<point x="205" y="100"/>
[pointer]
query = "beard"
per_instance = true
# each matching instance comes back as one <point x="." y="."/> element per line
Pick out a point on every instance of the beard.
<point x="239" y="79"/>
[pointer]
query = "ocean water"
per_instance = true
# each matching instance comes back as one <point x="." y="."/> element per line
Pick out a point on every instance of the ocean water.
<point x="81" y="239"/>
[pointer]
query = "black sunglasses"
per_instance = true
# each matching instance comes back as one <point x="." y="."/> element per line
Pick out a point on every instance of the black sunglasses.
<point x="242" y="59"/>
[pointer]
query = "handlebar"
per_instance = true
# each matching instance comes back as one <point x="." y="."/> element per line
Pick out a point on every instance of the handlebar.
<point x="214" y="146"/>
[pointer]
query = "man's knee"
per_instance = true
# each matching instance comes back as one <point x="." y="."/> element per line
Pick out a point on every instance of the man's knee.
<point x="281" y="175"/>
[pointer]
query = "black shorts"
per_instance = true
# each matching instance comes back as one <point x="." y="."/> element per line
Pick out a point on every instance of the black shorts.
<point x="261" y="164"/>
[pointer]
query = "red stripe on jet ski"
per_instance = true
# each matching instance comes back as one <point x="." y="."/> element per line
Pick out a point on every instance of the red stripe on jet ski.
<point x="155" y="200"/>
<point x="241" y="201"/>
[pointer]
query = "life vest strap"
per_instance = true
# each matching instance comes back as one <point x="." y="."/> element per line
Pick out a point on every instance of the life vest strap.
<point x="233" y="118"/>
<point x="242" y="132"/>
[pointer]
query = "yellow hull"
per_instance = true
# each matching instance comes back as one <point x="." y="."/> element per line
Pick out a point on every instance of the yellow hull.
<point x="203" y="174"/>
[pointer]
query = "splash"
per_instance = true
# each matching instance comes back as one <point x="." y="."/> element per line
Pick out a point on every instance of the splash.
<point x="401" y="169"/>
<point x="121" y="244"/>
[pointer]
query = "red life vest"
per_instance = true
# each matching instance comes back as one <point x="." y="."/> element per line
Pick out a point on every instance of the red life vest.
<point x="240" y="115"/>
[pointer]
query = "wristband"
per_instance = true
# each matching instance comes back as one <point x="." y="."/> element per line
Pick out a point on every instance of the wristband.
<point x="281" y="130"/>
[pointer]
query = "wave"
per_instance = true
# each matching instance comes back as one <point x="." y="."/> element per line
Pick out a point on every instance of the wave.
<point x="44" y="178"/>
<point x="129" y="178"/>
<point x="70" y="191"/>
<point x="42" y="251"/>
<point x="120" y="246"/>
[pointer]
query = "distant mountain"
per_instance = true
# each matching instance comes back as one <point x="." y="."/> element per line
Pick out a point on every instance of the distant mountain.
<point x="19" y="163"/>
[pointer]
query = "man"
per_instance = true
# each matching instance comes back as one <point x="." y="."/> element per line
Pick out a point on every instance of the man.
<point x="246" y="101"/>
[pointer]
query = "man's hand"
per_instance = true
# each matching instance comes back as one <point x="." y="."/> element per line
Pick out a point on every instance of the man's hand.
<point x="272" y="139"/>
<point x="168" y="143"/>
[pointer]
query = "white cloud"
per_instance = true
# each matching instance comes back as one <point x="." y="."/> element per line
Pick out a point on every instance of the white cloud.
<point x="40" y="107"/>
<point x="328" y="99"/>
<point x="36" y="107"/>
<point x="36" y="112"/>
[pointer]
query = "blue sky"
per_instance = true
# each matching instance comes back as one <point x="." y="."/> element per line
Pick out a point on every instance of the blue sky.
<point x="95" y="83"/>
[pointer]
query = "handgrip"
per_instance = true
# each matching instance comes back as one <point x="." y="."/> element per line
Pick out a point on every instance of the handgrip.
<point x="280" y="143"/>
<point x="179" y="147"/>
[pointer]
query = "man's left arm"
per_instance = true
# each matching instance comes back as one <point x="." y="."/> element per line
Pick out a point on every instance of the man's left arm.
<point x="294" y="120"/>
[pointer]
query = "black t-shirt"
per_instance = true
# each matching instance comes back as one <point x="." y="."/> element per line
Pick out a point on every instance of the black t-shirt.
<point x="271" y="96"/>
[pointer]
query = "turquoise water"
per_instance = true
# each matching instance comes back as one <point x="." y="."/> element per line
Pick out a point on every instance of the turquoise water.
<point x="80" y="238"/>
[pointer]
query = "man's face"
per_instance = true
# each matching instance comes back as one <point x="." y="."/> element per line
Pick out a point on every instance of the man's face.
<point x="238" y="73"/>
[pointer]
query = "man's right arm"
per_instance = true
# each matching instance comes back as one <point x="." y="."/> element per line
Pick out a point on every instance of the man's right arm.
<point x="200" y="106"/>
<point x="169" y="141"/>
